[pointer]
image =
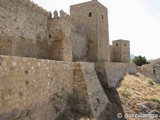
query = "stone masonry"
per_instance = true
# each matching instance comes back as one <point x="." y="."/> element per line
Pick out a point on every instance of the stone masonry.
<point x="120" y="51"/>
<point x="55" y="62"/>
<point x="94" y="17"/>
<point x="28" y="83"/>
<point x="29" y="31"/>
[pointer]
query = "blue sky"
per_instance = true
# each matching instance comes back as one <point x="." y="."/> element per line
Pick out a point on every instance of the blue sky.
<point x="134" y="20"/>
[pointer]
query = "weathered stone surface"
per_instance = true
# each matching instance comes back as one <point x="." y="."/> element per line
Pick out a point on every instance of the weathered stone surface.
<point x="120" y="51"/>
<point x="27" y="30"/>
<point x="80" y="44"/>
<point x="94" y="17"/>
<point x="22" y="18"/>
<point x="36" y="88"/>
<point x="88" y="92"/>
<point x="112" y="73"/>
<point x="26" y="83"/>
<point x="151" y="70"/>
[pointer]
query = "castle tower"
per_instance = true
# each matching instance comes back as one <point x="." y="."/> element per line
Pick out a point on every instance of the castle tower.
<point x="94" y="17"/>
<point x="121" y="51"/>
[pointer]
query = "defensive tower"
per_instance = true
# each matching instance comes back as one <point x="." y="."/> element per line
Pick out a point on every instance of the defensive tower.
<point x="121" y="51"/>
<point x="94" y="17"/>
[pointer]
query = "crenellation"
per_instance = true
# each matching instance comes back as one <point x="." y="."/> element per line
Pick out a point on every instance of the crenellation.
<point x="63" y="14"/>
<point x="46" y="32"/>
<point x="55" y="14"/>
<point x="49" y="59"/>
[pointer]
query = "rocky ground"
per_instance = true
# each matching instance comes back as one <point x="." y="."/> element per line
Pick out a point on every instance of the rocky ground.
<point x="140" y="95"/>
<point x="136" y="95"/>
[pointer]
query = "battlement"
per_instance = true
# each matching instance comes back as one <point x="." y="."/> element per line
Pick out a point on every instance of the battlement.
<point x="55" y="35"/>
<point x="61" y="14"/>
<point x="56" y="58"/>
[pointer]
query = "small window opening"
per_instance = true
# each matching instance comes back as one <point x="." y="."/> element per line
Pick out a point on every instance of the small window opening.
<point x="90" y="14"/>
<point x="50" y="36"/>
<point x="98" y="101"/>
<point x="102" y="16"/>
<point x="117" y="44"/>
<point x="125" y="44"/>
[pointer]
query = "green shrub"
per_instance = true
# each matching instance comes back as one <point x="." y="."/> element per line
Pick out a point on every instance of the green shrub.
<point x="155" y="100"/>
<point x="125" y="93"/>
<point x="151" y="82"/>
<point x="139" y="60"/>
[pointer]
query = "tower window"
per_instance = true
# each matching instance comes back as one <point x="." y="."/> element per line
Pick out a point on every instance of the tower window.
<point x="125" y="44"/>
<point x="117" y="44"/>
<point x="90" y="14"/>
<point x="50" y="36"/>
<point x="102" y="16"/>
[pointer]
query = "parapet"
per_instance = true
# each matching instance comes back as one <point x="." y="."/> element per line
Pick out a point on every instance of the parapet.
<point x="61" y="14"/>
<point x="120" y="40"/>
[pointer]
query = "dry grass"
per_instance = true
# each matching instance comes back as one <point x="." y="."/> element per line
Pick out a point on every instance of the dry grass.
<point x="135" y="90"/>
<point x="125" y="93"/>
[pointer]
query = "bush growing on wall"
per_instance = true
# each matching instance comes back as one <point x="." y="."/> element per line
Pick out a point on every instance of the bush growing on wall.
<point x="139" y="60"/>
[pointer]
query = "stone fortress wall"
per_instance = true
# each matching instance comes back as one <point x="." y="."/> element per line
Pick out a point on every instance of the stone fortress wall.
<point x="39" y="51"/>
<point x="23" y="18"/>
<point x="29" y="31"/>
<point x="28" y="83"/>
<point x="22" y="27"/>
<point x="112" y="73"/>
<point x="45" y="88"/>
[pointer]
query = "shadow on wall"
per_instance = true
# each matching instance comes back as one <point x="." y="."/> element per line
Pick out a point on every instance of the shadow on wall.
<point x="46" y="110"/>
<point x="111" y="109"/>
<point x="115" y="105"/>
<point x="110" y="76"/>
<point x="110" y="112"/>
